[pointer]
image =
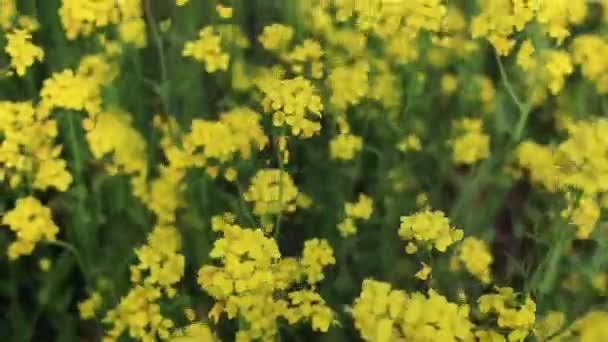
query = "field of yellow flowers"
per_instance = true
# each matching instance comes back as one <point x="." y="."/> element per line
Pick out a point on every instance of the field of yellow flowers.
<point x="304" y="170"/>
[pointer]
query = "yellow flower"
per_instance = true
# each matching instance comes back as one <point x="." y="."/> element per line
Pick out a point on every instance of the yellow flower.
<point x="88" y="307"/>
<point x="424" y="272"/>
<point x="223" y="11"/>
<point x="207" y="49"/>
<point x="525" y="57"/>
<point x="349" y="84"/>
<point x="316" y="255"/>
<point x="383" y="314"/>
<point x="362" y="209"/>
<point x="518" y="318"/>
<point x="472" y="145"/>
<point x="477" y="259"/>
<point x="293" y="102"/>
<point x="429" y="227"/>
<point x="276" y="37"/>
<point x="31" y="221"/>
<point x="45" y="264"/>
<point x="22" y="52"/>
<point x="345" y="146"/>
<point x="272" y="191"/>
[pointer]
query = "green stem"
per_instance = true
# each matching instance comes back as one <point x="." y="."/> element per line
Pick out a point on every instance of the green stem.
<point x="74" y="146"/>
<point x="524" y="108"/>
<point x="70" y="248"/>
<point x="277" y="227"/>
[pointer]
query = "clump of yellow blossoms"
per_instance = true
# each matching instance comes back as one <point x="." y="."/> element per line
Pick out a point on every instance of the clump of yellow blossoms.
<point x="576" y="163"/>
<point x="517" y="318"/>
<point x="27" y="148"/>
<point x="584" y="214"/>
<point x="499" y="20"/>
<point x="382" y="314"/>
<point x="317" y="254"/>
<point x="207" y="49"/>
<point x="431" y="228"/>
<point x="250" y="274"/>
<point x="8" y="9"/>
<point x="476" y="257"/>
<point x="127" y="146"/>
<point x="21" y="50"/>
<point x="31" y="221"/>
<point x="87" y="307"/>
<point x="160" y="257"/>
<point x="276" y="37"/>
<point x="349" y="84"/>
<point x="139" y="314"/>
<point x="293" y="102"/>
<point x="82" y="17"/>
<point x="272" y="191"/>
<point x="360" y="210"/>
<point x="471" y="145"/>
<point x="305" y="59"/>
<point x="78" y="90"/>
<point x="345" y="146"/>
<point x="587" y="50"/>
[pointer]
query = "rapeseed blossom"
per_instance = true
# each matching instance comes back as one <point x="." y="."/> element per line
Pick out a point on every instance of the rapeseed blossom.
<point x="207" y="49"/>
<point x="428" y="227"/>
<point x="141" y="121"/>
<point x="21" y="50"/>
<point x="31" y="222"/>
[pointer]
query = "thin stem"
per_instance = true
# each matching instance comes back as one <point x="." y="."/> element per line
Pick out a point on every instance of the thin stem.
<point x="160" y="50"/>
<point x="524" y="108"/>
<point x="277" y="227"/>
<point x="75" y="145"/>
<point x="70" y="248"/>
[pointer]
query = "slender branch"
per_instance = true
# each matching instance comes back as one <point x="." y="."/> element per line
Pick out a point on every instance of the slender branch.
<point x="70" y="248"/>
<point x="160" y="50"/>
<point x="524" y="108"/>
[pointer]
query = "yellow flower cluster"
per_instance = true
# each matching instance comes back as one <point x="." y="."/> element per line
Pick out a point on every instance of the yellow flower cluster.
<point x="428" y="227"/>
<point x="360" y="210"/>
<point x="501" y="19"/>
<point x="127" y="147"/>
<point x="382" y="314"/>
<point x="584" y="213"/>
<point x="305" y="59"/>
<point x="293" y="102"/>
<point x="576" y="163"/>
<point x="349" y="85"/>
<point x="276" y="37"/>
<point x="586" y="52"/>
<point x="272" y="191"/>
<point x="8" y="9"/>
<point x="87" y="307"/>
<point x="160" y="257"/>
<point x="28" y="153"/>
<point x="317" y="254"/>
<point x="345" y="146"/>
<point x="31" y="221"/>
<point x="517" y="318"/>
<point x="472" y="144"/>
<point x="251" y="271"/>
<point x="21" y="50"/>
<point x="207" y="49"/>
<point x="79" y="90"/>
<point x="477" y="259"/>
<point x="139" y="314"/>
<point x="82" y="17"/>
